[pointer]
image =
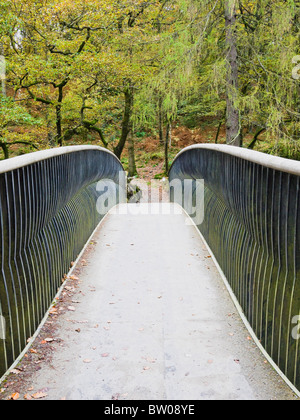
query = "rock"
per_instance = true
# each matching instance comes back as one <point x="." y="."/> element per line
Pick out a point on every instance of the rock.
<point x="134" y="193"/>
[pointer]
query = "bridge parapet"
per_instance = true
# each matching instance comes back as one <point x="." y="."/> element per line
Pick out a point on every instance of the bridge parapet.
<point x="49" y="207"/>
<point x="251" y="223"/>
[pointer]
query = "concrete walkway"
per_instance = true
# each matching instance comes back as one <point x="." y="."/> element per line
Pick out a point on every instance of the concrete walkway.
<point x="146" y="316"/>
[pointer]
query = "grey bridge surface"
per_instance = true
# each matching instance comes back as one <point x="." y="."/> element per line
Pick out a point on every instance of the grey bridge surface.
<point x="161" y="305"/>
<point x="148" y="318"/>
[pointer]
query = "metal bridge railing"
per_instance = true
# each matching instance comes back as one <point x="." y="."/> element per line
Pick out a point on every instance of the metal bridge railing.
<point x="251" y="223"/>
<point x="49" y="207"/>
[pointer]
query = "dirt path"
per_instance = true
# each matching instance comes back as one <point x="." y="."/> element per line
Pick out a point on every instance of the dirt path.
<point x="154" y="191"/>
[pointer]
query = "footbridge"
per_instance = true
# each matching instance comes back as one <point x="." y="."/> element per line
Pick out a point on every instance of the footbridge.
<point x="197" y="297"/>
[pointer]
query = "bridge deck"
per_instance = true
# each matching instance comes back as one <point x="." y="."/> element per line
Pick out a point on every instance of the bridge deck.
<point x="149" y="318"/>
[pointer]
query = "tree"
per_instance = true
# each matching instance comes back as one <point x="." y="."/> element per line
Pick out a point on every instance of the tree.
<point x="269" y="100"/>
<point x="139" y="42"/>
<point x="12" y="114"/>
<point x="233" y="125"/>
<point x="102" y="70"/>
<point x="162" y="96"/>
<point x="52" y="41"/>
<point x="53" y="48"/>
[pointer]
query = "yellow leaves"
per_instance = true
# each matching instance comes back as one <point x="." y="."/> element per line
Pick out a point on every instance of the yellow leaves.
<point x="36" y="396"/>
<point x="14" y="396"/>
<point x="53" y="311"/>
<point x="94" y="45"/>
<point x="39" y="395"/>
<point x="75" y="278"/>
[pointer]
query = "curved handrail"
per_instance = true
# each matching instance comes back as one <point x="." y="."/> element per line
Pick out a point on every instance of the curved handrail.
<point x="251" y="204"/>
<point x="263" y="159"/>
<point x="50" y="203"/>
<point x="31" y="158"/>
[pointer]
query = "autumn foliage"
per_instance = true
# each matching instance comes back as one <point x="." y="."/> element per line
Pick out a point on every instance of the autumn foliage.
<point x="104" y="71"/>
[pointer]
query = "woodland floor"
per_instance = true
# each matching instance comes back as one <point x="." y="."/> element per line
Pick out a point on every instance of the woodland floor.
<point x="149" y="153"/>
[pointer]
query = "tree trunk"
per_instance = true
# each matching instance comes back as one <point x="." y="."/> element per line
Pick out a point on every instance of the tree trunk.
<point x="255" y="139"/>
<point x="58" y="125"/>
<point x="5" y="149"/>
<point x="220" y="126"/>
<point x="90" y="126"/>
<point x="126" y="125"/>
<point x="160" y="122"/>
<point x="59" y="117"/>
<point x="131" y="156"/>
<point x="233" y="128"/>
<point x="60" y="98"/>
<point x="167" y="142"/>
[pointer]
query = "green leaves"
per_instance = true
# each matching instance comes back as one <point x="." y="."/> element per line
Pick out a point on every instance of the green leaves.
<point x="13" y="114"/>
<point x="68" y="61"/>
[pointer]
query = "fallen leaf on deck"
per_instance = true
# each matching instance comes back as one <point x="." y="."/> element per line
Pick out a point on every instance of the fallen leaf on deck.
<point x="39" y="395"/>
<point x="53" y="311"/>
<point x="14" y="396"/>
